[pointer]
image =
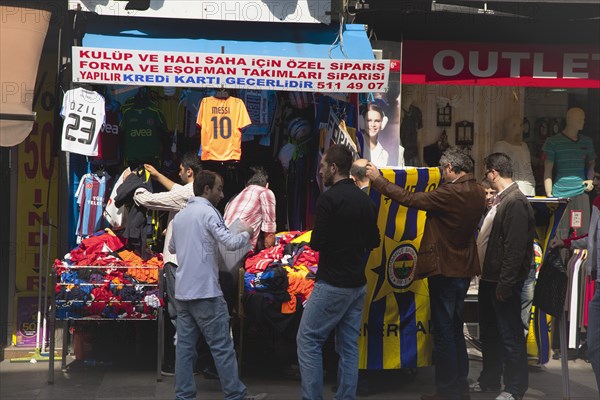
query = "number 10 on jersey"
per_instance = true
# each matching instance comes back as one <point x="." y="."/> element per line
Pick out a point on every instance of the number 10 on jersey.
<point x="221" y="127"/>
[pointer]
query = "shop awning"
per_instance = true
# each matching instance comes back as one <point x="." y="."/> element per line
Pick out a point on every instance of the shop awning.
<point x="21" y="41"/>
<point x="297" y="40"/>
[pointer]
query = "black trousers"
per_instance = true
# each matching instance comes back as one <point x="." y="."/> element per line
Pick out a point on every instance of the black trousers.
<point x="502" y="340"/>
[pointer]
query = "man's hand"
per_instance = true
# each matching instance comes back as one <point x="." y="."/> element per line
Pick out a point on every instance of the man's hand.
<point x="372" y="171"/>
<point x="250" y="231"/>
<point x="502" y="293"/>
<point x="153" y="172"/>
<point x="589" y="185"/>
<point x="556" y="242"/>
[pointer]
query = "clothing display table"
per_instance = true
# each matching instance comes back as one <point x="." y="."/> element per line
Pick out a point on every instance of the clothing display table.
<point x="106" y="293"/>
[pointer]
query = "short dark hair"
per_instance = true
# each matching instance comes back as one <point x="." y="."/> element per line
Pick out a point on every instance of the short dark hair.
<point x="460" y="160"/>
<point x="485" y="184"/>
<point x="500" y="163"/>
<point x="205" y="178"/>
<point x="341" y="156"/>
<point x="259" y="177"/>
<point x="191" y="160"/>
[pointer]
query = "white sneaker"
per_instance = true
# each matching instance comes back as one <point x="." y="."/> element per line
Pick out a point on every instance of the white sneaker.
<point x="507" y="396"/>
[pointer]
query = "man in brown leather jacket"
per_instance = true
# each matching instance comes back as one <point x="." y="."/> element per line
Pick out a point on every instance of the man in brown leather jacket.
<point x="448" y="258"/>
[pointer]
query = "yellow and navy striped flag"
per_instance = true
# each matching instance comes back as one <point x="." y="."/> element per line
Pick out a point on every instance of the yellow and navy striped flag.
<point x="396" y="330"/>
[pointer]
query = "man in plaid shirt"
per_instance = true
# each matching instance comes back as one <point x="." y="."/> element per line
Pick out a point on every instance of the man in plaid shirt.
<point x="255" y="206"/>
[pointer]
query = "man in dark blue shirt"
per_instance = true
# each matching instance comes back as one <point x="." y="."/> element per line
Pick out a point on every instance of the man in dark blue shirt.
<point x="344" y="234"/>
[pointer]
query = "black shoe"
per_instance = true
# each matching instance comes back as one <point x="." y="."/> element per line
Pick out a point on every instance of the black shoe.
<point x="362" y="388"/>
<point x="167" y="370"/>
<point x="209" y="373"/>
<point x="291" y="372"/>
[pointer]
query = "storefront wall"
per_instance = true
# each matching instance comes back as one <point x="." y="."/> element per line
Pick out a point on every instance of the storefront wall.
<point x="41" y="181"/>
<point x="487" y="83"/>
<point x="486" y="106"/>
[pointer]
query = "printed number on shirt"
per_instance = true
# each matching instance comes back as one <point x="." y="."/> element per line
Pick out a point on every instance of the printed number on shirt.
<point x="221" y="127"/>
<point x="86" y="125"/>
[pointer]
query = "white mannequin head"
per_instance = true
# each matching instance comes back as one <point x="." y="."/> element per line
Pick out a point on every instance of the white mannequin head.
<point x="513" y="129"/>
<point x="575" y="119"/>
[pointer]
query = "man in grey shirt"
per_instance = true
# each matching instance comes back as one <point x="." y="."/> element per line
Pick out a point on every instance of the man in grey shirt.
<point x="201" y="308"/>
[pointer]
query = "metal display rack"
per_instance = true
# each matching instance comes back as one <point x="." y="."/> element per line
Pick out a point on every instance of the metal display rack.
<point x="72" y="311"/>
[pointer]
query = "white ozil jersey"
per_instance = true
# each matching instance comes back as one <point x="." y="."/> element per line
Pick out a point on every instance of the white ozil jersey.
<point x="83" y="111"/>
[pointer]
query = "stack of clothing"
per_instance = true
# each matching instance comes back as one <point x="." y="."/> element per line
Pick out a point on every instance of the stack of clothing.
<point x="101" y="279"/>
<point x="279" y="278"/>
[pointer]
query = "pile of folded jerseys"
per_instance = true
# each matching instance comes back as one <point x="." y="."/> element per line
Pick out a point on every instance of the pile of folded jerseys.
<point x="101" y="279"/>
<point x="284" y="273"/>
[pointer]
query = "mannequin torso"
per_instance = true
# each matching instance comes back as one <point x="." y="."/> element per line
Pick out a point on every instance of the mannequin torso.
<point x="569" y="154"/>
<point x="518" y="151"/>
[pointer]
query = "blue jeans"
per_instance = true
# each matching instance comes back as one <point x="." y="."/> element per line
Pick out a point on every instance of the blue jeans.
<point x="446" y="298"/>
<point x="593" y="333"/>
<point x="502" y="342"/>
<point x="209" y="317"/>
<point x="329" y="308"/>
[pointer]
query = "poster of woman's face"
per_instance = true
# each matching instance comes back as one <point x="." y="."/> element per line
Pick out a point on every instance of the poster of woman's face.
<point x="381" y="126"/>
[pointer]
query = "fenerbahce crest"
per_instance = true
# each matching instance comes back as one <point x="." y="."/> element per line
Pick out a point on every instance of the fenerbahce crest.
<point x="401" y="266"/>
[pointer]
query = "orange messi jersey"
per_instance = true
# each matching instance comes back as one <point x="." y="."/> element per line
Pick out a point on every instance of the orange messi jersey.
<point x="221" y="122"/>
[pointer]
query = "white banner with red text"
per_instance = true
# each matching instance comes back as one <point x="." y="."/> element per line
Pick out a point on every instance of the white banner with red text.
<point x="162" y="68"/>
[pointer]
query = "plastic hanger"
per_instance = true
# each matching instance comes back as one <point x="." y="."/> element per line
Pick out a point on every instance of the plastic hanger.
<point x="142" y="98"/>
<point x="222" y="93"/>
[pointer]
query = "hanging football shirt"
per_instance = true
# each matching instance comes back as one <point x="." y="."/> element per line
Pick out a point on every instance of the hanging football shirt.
<point x="261" y="106"/>
<point x="108" y="141"/>
<point x="221" y="122"/>
<point x="90" y="197"/>
<point x="83" y="111"/>
<point x="142" y="129"/>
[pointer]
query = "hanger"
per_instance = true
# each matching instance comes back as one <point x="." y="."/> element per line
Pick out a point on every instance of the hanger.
<point x="87" y="86"/>
<point x="95" y="168"/>
<point x="222" y="93"/>
<point x="100" y="171"/>
<point x="142" y="98"/>
<point x="341" y="111"/>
